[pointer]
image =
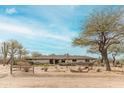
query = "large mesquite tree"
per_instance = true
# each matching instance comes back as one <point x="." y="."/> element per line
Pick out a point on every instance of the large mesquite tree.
<point x="103" y="29"/>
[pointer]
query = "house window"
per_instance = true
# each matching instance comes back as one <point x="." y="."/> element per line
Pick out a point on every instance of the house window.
<point x="63" y="61"/>
<point x="87" y="60"/>
<point x="51" y="61"/>
<point x="56" y="61"/>
<point x="74" y="60"/>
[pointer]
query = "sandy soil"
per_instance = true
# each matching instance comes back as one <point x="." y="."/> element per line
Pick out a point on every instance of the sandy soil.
<point x="54" y="79"/>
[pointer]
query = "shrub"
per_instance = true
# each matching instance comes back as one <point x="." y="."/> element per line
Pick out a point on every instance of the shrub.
<point x="98" y="70"/>
<point x="26" y="69"/>
<point x="45" y="68"/>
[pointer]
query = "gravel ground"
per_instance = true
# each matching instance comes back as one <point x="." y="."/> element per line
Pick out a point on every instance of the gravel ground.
<point x="54" y="79"/>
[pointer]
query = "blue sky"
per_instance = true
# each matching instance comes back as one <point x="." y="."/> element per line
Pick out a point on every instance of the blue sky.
<point x="47" y="29"/>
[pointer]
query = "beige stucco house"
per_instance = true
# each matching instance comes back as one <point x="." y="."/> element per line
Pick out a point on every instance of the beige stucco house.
<point x="55" y="59"/>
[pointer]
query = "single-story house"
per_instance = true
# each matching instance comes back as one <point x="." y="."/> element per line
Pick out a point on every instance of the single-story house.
<point x="55" y="59"/>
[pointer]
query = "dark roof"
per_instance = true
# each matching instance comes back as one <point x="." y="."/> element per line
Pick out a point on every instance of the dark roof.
<point x="45" y="57"/>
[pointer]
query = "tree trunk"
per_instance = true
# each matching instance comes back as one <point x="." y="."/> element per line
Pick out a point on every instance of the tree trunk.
<point x="4" y="61"/>
<point x="20" y="56"/>
<point x="14" y="62"/>
<point x="102" y="61"/>
<point x="105" y="58"/>
<point x="113" y="60"/>
<point x="9" y="60"/>
<point x="11" y="64"/>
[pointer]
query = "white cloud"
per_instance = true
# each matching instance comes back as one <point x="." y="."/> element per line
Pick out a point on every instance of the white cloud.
<point x="13" y="28"/>
<point x="32" y="32"/>
<point x="53" y="35"/>
<point x="11" y="10"/>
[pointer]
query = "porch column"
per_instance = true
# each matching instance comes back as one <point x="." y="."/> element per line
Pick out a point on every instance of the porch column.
<point x="60" y="61"/>
<point x="54" y="61"/>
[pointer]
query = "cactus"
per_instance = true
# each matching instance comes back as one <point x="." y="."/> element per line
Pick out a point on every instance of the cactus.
<point x="4" y="52"/>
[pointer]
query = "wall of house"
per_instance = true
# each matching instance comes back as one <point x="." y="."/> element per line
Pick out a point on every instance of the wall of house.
<point x="56" y="61"/>
<point x="80" y="61"/>
<point x="42" y="61"/>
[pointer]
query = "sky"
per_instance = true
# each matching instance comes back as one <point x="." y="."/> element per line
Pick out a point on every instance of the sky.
<point x="47" y="29"/>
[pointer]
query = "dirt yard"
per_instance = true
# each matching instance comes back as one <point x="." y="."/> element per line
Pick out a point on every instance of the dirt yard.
<point x="54" y="79"/>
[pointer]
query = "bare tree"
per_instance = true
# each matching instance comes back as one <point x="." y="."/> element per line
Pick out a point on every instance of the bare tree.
<point x="22" y="52"/>
<point x="103" y="28"/>
<point x="36" y="54"/>
<point x="115" y="50"/>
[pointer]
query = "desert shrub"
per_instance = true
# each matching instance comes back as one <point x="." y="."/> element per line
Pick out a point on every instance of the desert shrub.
<point x="98" y="70"/>
<point x="26" y="68"/>
<point x="45" y="67"/>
